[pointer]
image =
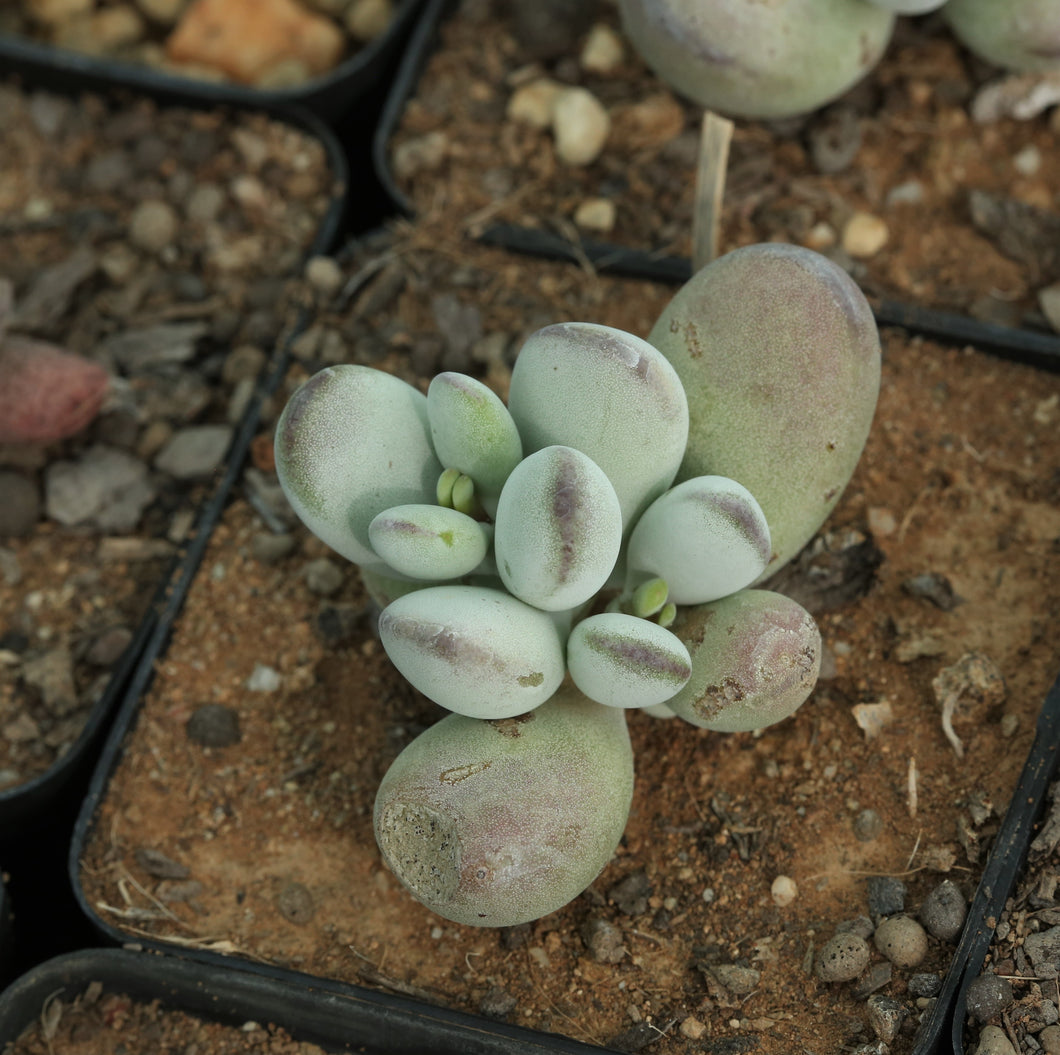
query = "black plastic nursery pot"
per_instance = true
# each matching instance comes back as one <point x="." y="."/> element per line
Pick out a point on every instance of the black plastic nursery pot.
<point x="328" y="96"/>
<point x="1006" y="863"/>
<point x="561" y="240"/>
<point x="336" y="1021"/>
<point x="35" y="800"/>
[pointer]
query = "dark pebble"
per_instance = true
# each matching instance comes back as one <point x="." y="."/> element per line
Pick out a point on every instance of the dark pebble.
<point x="873" y="980"/>
<point x="935" y="588"/>
<point x="515" y="937"/>
<point x="497" y="1003"/>
<point x="21" y="507"/>
<point x="157" y="864"/>
<point x="637" y="1038"/>
<point x="944" y="910"/>
<point x="14" y="641"/>
<point x="108" y="648"/>
<point x="834" y="139"/>
<point x="886" y="896"/>
<point x="214" y="725"/>
<point x="925" y="985"/>
<point x="867" y="826"/>
<point x="337" y="624"/>
<point x="988" y="996"/>
<point x="296" y="903"/>
<point x="631" y="894"/>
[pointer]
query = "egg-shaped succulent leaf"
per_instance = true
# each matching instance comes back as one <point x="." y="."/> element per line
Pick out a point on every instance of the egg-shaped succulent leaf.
<point x="475" y="651"/>
<point x="755" y="660"/>
<point x="608" y="394"/>
<point x="623" y="661"/>
<point x="558" y="529"/>
<point x="350" y="443"/>
<point x="758" y="60"/>
<point x="429" y="541"/>
<point x="1021" y="35"/>
<point x="706" y="537"/>
<point x="473" y="431"/>
<point x="384" y="586"/>
<point x="779" y="353"/>
<point x="497" y="823"/>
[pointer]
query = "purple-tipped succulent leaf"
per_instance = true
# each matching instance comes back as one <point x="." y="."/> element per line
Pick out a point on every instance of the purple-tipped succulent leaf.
<point x="429" y="541"/>
<point x="351" y="443"/>
<point x="496" y="823"/>
<point x="707" y="537"/>
<point x="623" y="661"/>
<point x="473" y="650"/>
<point x="558" y="530"/>
<point x="608" y="394"/>
<point x="779" y="353"/>
<point x="755" y="660"/>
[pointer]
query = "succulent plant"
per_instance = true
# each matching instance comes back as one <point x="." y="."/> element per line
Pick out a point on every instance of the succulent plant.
<point x="47" y="393"/>
<point x="512" y="547"/>
<point x="745" y="58"/>
<point x="1020" y="35"/>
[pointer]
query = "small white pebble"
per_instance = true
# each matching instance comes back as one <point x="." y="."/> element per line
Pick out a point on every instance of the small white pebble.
<point x="531" y="104"/>
<point x="864" y="235"/>
<point x="580" y="125"/>
<point x="784" y="891"/>
<point x="596" y="214"/>
<point x="1028" y="161"/>
<point x="603" y="51"/>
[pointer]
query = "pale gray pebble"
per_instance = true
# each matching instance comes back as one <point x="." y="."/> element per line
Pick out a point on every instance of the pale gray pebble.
<point x="324" y="275"/>
<point x="631" y="894"/>
<point x="270" y="548"/>
<point x="1049" y="1013"/>
<point x="994" y="1041"/>
<point x="988" y="995"/>
<point x="1049" y="1038"/>
<point x="867" y="826"/>
<point x="194" y="451"/>
<point x="295" y="903"/>
<point x="243" y="361"/>
<point x="153" y="226"/>
<point x="924" y="984"/>
<point x="1044" y="950"/>
<point x="497" y="1003"/>
<point x="239" y="400"/>
<point x="323" y="577"/>
<point x="842" y="958"/>
<point x="902" y="940"/>
<point x="741" y="981"/>
<point x="886" y="896"/>
<point x="109" y="646"/>
<point x="21" y="507"/>
<point x="51" y="673"/>
<point x="944" y="910"/>
<point x="105" y="487"/>
<point x="877" y="1047"/>
<point x="264" y="679"/>
<point x="603" y="940"/>
<point x="885" y="1017"/>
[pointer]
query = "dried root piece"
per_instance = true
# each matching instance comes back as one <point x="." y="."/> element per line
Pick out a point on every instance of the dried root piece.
<point x="973" y="677"/>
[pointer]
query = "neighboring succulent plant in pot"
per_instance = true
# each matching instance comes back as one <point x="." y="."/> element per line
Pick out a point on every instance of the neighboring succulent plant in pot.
<point x="745" y="58"/>
<point x="541" y="572"/>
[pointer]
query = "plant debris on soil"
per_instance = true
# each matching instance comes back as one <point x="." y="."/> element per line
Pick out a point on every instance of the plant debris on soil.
<point x="239" y="817"/>
<point x="96" y="1022"/>
<point x="162" y="245"/>
<point x="918" y="180"/>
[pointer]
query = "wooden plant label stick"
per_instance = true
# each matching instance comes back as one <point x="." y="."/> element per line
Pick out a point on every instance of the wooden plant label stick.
<point x="715" y="135"/>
